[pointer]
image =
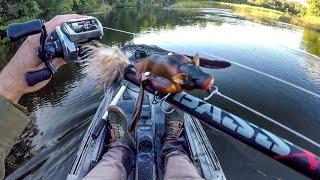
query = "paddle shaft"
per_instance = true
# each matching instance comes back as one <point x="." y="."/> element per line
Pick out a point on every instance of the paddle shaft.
<point x="258" y="138"/>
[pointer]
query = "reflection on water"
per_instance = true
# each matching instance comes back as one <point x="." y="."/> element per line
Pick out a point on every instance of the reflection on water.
<point x="313" y="69"/>
<point x="311" y="41"/>
<point x="68" y="77"/>
<point x="144" y="20"/>
<point x="61" y="112"/>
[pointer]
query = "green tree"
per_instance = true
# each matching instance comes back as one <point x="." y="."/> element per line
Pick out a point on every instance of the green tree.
<point x="314" y="7"/>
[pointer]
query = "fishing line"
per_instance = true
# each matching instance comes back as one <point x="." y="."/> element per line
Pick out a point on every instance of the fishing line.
<point x="118" y="30"/>
<point x="254" y="70"/>
<point x="235" y="63"/>
<point x="239" y="103"/>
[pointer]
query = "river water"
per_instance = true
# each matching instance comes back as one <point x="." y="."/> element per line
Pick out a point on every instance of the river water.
<point x="62" y="111"/>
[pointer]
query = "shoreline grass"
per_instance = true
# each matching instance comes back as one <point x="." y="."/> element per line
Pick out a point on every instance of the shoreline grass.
<point x="255" y="13"/>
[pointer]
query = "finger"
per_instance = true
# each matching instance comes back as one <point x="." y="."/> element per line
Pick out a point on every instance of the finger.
<point x="77" y="16"/>
<point x="56" y="21"/>
<point x="58" y="62"/>
<point x="42" y="65"/>
<point x="63" y="18"/>
<point x="39" y="85"/>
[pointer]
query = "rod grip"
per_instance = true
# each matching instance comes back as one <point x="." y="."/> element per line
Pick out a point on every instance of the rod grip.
<point x="35" y="77"/>
<point x="16" y="31"/>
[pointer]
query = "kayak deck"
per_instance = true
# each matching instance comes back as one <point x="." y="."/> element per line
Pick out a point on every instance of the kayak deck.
<point x="148" y="134"/>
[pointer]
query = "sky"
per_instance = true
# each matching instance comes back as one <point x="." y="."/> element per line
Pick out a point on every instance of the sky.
<point x="304" y="2"/>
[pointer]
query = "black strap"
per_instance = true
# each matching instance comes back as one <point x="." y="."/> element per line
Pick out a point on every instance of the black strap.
<point x="138" y="106"/>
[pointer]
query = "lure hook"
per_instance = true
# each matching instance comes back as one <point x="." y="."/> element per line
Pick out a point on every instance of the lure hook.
<point x="156" y="98"/>
<point x="161" y="107"/>
<point x="213" y="92"/>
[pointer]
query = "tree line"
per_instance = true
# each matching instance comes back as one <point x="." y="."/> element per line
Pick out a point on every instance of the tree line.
<point x="314" y="7"/>
<point x="280" y="5"/>
<point x="20" y="10"/>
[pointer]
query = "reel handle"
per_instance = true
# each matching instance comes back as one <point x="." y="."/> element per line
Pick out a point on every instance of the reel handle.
<point x="17" y="31"/>
<point x="35" y="77"/>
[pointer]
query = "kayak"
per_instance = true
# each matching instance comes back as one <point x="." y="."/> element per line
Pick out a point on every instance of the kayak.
<point x="149" y="130"/>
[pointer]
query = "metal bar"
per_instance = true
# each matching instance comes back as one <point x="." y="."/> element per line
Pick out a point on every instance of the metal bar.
<point x="115" y="99"/>
<point x="258" y="138"/>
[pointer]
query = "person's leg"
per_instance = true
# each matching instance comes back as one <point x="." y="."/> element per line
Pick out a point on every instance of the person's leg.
<point x="117" y="162"/>
<point x="177" y="164"/>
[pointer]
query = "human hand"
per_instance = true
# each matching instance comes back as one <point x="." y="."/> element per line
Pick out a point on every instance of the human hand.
<point x="12" y="78"/>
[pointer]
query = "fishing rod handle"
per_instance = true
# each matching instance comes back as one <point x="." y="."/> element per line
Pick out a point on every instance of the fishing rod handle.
<point x="35" y="77"/>
<point x="17" y="31"/>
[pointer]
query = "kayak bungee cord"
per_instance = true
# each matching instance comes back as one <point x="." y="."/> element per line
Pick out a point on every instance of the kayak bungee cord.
<point x="232" y="62"/>
<point x="244" y="106"/>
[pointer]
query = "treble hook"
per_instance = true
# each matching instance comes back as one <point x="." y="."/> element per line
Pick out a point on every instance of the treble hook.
<point x="161" y="102"/>
<point x="156" y="98"/>
<point x="215" y="91"/>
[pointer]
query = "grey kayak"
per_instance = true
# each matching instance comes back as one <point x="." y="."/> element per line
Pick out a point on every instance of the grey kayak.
<point x="148" y="134"/>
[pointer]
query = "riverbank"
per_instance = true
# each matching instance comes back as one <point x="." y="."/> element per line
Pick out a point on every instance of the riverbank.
<point x="256" y="13"/>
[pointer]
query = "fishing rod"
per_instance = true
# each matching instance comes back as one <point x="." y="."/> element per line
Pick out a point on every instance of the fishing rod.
<point x="256" y="137"/>
<point x="216" y="63"/>
<point x="218" y="93"/>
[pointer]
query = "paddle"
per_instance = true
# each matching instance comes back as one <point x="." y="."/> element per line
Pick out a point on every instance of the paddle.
<point x="212" y="63"/>
<point x="256" y="137"/>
